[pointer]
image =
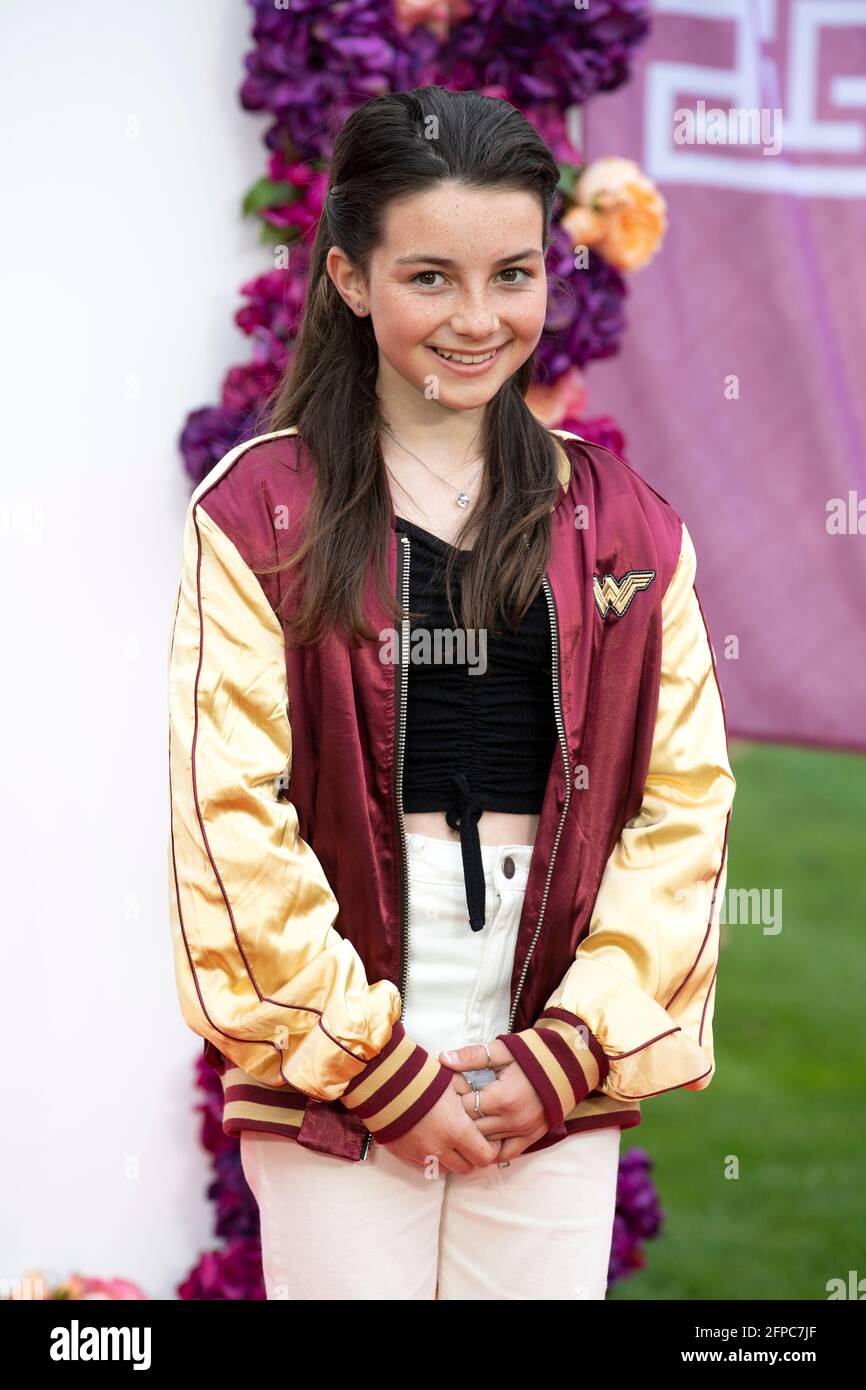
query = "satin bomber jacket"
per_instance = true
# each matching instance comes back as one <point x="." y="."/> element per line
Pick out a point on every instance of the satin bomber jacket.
<point x="289" y="891"/>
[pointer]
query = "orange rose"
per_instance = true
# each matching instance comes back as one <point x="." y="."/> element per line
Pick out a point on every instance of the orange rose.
<point x="601" y="183"/>
<point x="634" y="228"/>
<point x="583" y="226"/>
<point x="619" y="211"/>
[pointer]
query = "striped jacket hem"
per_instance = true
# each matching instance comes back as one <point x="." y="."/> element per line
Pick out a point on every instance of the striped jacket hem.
<point x="563" y="1060"/>
<point x="397" y="1087"/>
<point x="252" y="1105"/>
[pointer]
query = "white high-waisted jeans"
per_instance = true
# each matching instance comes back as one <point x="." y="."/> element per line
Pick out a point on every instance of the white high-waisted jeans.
<point x="538" y="1228"/>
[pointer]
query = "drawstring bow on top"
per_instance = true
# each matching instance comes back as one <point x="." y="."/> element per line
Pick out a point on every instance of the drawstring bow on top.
<point x="463" y="814"/>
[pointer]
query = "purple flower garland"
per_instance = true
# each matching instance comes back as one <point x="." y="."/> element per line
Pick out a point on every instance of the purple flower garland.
<point x="315" y="62"/>
<point x="311" y="66"/>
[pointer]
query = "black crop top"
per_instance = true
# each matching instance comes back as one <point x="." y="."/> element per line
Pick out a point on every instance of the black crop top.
<point x="480" y="731"/>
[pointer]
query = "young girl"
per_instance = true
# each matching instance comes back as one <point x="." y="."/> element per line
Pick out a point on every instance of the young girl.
<point x="450" y="789"/>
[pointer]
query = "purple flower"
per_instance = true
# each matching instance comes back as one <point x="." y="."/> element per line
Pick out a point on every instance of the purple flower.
<point x="236" y="1210"/>
<point x="232" y="1273"/>
<point x="276" y="301"/>
<point x="302" y="211"/>
<point x="585" y="316"/>
<point x="638" y="1215"/>
<point x="208" y="434"/>
<point x="246" y="386"/>
<point x="549" y="120"/>
<point x="315" y="62"/>
<point x="546" y="50"/>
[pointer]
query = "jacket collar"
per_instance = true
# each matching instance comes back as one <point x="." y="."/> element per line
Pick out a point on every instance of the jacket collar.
<point x="563" y="464"/>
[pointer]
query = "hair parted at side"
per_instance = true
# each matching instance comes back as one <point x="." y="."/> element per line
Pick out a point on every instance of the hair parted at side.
<point x="384" y="151"/>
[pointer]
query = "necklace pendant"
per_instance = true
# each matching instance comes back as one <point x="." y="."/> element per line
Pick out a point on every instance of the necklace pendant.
<point x="463" y="500"/>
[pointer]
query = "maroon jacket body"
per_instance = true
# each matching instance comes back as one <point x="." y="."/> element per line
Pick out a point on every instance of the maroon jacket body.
<point x="642" y="751"/>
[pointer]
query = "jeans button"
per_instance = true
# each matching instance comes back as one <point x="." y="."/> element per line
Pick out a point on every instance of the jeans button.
<point x="508" y="866"/>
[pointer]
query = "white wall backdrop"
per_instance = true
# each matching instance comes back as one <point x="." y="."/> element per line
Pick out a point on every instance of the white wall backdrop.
<point x="124" y="158"/>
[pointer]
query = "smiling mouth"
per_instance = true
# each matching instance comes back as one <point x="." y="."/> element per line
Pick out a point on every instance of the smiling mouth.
<point x="471" y="359"/>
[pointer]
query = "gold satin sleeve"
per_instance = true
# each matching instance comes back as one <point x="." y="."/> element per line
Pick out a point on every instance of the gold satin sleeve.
<point x="643" y="979"/>
<point x="260" y="969"/>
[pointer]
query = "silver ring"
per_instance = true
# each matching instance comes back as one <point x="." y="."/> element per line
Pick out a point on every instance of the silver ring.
<point x="477" y="1090"/>
<point x="487" y="1050"/>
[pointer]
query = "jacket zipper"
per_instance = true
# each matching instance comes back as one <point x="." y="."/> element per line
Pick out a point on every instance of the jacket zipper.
<point x="401" y="688"/>
<point x="560" y="727"/>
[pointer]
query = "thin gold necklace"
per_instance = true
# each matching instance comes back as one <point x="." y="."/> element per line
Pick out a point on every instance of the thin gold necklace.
<point x="463" y="498"/>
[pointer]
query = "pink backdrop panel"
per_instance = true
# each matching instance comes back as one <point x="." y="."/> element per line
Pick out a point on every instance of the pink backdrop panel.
<point x="740" y="384"/>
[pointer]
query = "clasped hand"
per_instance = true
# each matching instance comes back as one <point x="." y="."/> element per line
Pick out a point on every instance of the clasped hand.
<point x="512" y="1116"/>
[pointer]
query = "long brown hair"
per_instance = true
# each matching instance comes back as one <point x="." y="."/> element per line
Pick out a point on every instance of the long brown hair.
<point x="383" y="151"/>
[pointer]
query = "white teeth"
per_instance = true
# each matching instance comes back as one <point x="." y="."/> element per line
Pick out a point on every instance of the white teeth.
<point x="464" y="357"/>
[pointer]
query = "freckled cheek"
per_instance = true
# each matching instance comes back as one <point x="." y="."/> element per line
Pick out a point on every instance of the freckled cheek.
<point x="527" y="319"/>
<point x="403" y="323"/>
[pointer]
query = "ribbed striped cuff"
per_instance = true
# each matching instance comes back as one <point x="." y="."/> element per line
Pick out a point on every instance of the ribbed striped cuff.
<point x="397" y="1087"/>
<point x="562" y="1058"/>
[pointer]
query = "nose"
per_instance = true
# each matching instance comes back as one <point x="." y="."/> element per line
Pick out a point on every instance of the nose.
<point x="475" y="318"/>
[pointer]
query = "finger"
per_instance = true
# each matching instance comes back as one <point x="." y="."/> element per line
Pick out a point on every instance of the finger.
<point x="483" y="1116"/>
<point x="500" y="1055"/>
<point x="497" y="1131"/>
<point x="448" y="1158"/>
<point x="516" y="1144"/>
<point x="461" y="1085"/>
<point x="453" y="1161"/>
<point x="472" y="1057"/>
<point x="500" y="1121"/>
<point x="493" y="1098"/>
<point x="497" y="1127"/>
<point x="494" y="1104"/>
<point x="474" y="1147"/>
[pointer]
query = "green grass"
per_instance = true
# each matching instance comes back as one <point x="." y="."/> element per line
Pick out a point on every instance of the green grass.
<point x="788" y="1097"/>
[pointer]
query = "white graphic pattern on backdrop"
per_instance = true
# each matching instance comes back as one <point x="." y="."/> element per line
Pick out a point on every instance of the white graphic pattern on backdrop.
<point x="750" y="87"/>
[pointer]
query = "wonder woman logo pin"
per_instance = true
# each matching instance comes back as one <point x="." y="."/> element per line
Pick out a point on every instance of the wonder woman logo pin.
<point x="615" y="595"/>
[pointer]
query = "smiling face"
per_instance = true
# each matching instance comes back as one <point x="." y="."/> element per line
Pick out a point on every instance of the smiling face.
<point x="459" y="271"/>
